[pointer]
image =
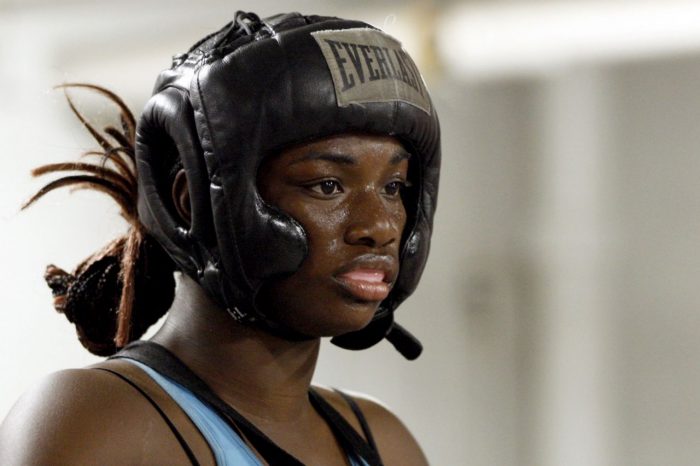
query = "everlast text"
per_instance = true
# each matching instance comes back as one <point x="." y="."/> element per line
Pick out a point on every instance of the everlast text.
<point x="369" y="66"/>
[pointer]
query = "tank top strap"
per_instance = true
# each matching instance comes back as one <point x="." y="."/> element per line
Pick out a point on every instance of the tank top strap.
<point x="360" y="418"/>
<point x="351" y="440"/>
<point x="169" y="366"/>
<point x="188" y="435"/>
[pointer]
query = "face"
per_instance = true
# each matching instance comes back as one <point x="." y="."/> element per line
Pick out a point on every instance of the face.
<point x="346" y="192"/>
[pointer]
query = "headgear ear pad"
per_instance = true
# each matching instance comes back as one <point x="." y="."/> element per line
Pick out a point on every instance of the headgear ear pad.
<point x="248" y="91"/>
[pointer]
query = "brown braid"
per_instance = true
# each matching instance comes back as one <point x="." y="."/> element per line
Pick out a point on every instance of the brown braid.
<point x="114" y="295"/>
<point x="130" y="256"/>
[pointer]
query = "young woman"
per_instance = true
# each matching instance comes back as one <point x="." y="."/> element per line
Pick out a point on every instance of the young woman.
<point x="288" y="167"/>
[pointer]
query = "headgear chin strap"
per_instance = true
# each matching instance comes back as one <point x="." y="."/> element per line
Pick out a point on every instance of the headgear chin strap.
<point x="249" y="90"/>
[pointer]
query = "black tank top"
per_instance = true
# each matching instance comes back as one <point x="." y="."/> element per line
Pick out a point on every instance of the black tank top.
<point x="168" y="365"/>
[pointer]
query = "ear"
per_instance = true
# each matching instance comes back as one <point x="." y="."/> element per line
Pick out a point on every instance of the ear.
<point x="181" y="197"/>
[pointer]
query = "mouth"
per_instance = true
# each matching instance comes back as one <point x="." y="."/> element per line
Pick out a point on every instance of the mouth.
<point x="368" y="278"/>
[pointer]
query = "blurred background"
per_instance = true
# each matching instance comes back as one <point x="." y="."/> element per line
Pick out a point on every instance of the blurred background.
<point x="559" y="308"/>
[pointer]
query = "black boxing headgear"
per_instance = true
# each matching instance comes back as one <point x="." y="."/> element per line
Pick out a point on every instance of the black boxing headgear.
<point x="249" y="90"/>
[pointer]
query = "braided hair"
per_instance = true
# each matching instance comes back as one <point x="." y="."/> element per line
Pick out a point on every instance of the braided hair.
<point x="114" y="295"/>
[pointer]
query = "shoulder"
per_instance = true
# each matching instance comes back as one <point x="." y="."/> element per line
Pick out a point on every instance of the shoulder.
<point x="83" y="416"/>
<point x="395" y="442"/>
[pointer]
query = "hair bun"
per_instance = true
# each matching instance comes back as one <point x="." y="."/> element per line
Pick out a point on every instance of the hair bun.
<point x="90" y="299"/>
<point x="91" y="303"/>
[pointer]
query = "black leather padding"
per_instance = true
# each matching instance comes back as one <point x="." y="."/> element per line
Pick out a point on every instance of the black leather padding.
<point x="243" y="94"/>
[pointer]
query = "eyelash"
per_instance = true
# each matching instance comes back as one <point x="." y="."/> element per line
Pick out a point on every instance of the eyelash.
<point x="398" y="185"/>
<point x="334" y="187"/>
<point x="320" y="185"/>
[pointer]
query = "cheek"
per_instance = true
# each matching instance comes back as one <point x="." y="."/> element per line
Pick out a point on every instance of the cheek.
<point x="325" y="231"/>
<point x="400" y="217"/>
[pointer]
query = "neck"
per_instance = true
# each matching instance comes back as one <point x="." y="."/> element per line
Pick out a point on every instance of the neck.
<point x="263" y="376"/>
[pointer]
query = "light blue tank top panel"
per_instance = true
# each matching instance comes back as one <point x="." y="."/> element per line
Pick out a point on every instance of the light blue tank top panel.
<point x="228" y="448"/>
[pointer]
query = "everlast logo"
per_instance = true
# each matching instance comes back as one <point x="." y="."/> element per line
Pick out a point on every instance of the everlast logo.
<point x="370" y="66"/>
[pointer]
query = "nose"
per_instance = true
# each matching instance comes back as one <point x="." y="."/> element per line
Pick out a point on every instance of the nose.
<point x="375" y="222"/>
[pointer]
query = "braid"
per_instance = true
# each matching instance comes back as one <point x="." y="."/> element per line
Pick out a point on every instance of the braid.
<point x="114" y="295"/>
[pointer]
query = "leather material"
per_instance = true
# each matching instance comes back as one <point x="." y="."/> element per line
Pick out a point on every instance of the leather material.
<point x="237" y="97"/>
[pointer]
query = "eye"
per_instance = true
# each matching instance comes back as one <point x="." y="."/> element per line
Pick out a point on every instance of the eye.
<point x="394" y="188"/>
<point x="326" y="187"/>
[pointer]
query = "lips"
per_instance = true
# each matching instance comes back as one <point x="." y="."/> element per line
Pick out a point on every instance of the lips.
<point x="368" y="278"/>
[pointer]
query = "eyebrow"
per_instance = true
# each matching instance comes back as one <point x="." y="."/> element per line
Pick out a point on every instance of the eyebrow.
<point x="345" y="159"/>
<point x="399" y="156"/>
<point x="342" y="159"/>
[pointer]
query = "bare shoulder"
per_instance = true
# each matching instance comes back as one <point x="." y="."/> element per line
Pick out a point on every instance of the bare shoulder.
<point x="84" y="416"/>
<point x="396" y="444"/>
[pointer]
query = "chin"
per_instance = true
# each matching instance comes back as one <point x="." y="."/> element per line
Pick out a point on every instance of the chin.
<point x="316" y="309"/>
<point x="332" y="321"/>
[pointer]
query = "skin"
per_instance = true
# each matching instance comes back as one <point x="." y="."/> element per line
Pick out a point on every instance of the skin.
<point x="344" y="191"/>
